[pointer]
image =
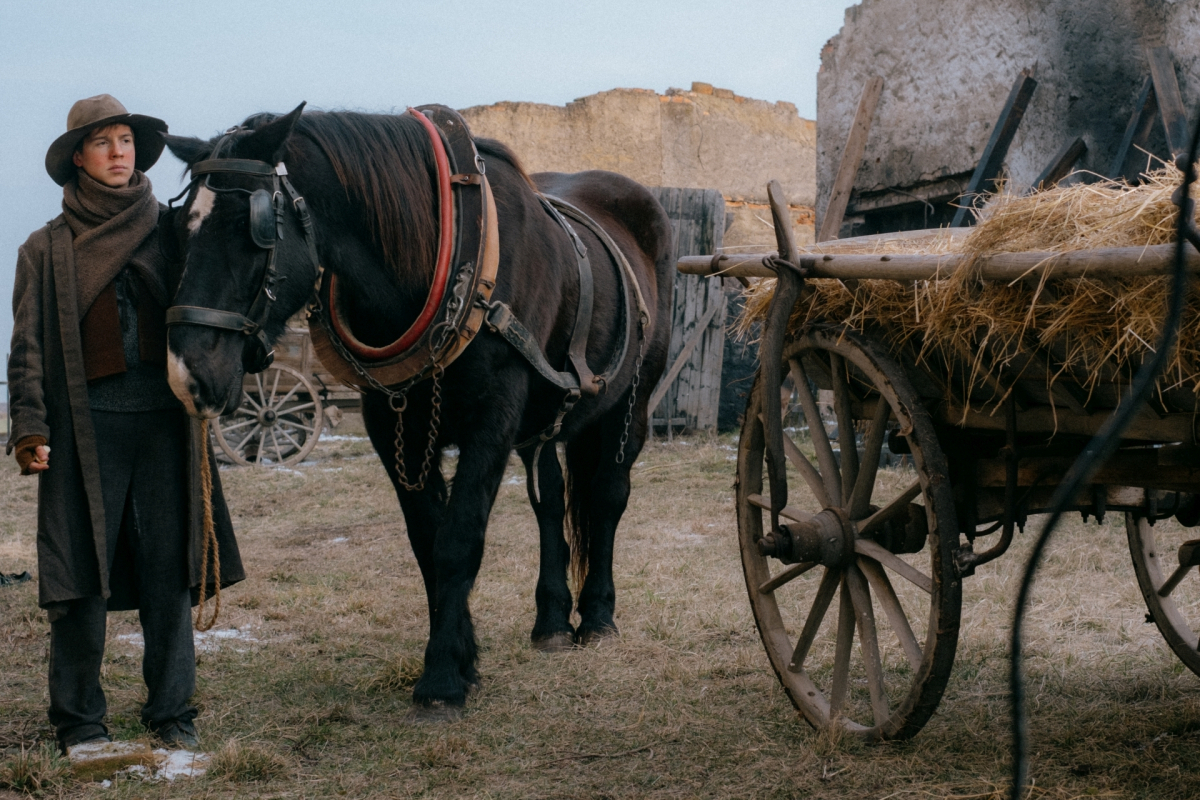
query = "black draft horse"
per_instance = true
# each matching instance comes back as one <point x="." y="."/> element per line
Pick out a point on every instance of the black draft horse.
<point x="369" y="181"/>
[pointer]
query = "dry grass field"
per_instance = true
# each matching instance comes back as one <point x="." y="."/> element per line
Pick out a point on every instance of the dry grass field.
<point x="309" y="699"/>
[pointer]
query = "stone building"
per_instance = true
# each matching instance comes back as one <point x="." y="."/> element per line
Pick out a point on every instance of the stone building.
<point x="705" y="138"/>
<point x="948" y="68"/>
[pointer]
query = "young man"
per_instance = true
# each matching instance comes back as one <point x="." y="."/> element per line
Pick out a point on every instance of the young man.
<point x="119" y="502"/>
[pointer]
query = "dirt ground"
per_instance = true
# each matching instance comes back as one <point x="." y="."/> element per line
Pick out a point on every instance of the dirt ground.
<point x="305" y="691"/>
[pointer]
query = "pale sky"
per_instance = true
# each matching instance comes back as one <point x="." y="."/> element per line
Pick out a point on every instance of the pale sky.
<point x="204" y="66"/>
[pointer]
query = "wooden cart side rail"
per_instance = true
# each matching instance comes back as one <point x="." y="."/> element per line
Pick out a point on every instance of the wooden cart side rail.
<point x="1044" y="420"/>
<point x="1109" y="262"/>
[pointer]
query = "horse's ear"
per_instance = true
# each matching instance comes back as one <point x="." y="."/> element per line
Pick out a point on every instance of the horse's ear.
<point x="187" y="149"/>
<point x="269" y="142"/>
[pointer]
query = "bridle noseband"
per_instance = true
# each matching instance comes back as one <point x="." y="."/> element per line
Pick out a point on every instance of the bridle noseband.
<point x="266" y="227"/>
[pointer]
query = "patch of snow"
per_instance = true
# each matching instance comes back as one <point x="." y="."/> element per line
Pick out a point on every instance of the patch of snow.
<point x="206" y="641"/>
<point x="290" y="471"/>
<point x="452" y="452"/>
<point x="180" y="764"/>
<point x="339" y="540"/>
<point x="515" y="480"/>
<point x="343" y="438"/>
<point x="332" y="469"/>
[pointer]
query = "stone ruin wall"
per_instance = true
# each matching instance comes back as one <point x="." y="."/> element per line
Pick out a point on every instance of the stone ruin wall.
<point x="948" y="68"/>
<point x="705" y="138"/>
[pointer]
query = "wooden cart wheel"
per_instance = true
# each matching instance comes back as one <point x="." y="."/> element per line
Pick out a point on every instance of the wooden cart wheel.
<point x="278" y="422"/>
<point x="883" y="566"/>
<point x="1161" y="554"/>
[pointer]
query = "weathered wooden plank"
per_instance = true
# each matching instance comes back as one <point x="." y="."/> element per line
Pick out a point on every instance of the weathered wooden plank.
<point x="1170" y="103"/>
<point x="1137" y="132"/>
<point x="852" y="155"/>
<point x="994" y="153"/>
<point x="1109" y="262"/>
<point x="1060" y="166"/>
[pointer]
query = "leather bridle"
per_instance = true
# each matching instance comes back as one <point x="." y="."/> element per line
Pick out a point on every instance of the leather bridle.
<point x="267" y="209"/>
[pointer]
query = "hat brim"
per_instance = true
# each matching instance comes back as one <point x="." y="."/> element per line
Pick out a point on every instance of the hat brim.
<point x="148" y="143"/>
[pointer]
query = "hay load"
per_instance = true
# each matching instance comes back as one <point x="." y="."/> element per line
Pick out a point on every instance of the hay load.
<point x="979" y="339"/>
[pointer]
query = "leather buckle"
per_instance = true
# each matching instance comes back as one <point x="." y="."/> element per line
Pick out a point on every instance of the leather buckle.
<point x="499" y="317"/>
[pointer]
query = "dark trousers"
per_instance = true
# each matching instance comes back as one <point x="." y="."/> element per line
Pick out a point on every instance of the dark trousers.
<point x="143" y="479"/>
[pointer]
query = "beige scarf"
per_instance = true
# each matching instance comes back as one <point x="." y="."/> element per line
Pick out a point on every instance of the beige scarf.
<point x="112" y="228"/>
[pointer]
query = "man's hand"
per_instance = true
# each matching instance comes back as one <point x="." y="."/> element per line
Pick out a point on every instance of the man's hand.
<point x="33" y="455"/>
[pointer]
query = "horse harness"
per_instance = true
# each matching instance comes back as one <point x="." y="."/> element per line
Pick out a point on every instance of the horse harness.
<point x="467" y="263"/>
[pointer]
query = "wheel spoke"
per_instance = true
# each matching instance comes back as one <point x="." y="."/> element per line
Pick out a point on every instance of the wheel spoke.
<point x="868" y="639"/>
<point x="236" y="425"/>
<point x="242" y="444"/>
<point x="845" y="418"/>
<point x="816" y="614"/>
<point x="816" y="431"/>
<point x="860" y="498"/>
<point x="246" y="398"/>
<point x="897" y="506"/>
<point x="283" y="432"/>
<point x="278" y="451"/>
<point x="275" y="387"/>
<point x="882" y="585"/>
<point x="807" y="471"/>
<point x="287" y="396"/>
<point x="791" y="512"/>
<point x="841" y="656"/>
<point x="789" y="574"/>
<point x="866" y="547"/>
<point x="294" y="409"/>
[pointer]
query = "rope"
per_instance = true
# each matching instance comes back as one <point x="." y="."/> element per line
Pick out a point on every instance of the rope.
<point x="208" y="536"/>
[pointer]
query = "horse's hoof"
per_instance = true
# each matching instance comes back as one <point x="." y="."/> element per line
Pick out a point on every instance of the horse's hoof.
<point x="594" y="638"/>
<point x="556" y="643"/>
<point x="433" y="713"/>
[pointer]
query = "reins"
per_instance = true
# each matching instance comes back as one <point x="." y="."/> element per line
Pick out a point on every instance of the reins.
<point x="208" y="537"/>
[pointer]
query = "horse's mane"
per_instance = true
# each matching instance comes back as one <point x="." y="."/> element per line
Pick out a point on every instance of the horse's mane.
<point x="385" y="164"/>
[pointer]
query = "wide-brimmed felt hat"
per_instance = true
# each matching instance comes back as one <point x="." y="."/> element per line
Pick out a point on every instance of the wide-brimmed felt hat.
<point x="98" y="112"/>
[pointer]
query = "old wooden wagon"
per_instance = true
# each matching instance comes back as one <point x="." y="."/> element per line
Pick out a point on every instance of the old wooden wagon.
<point x="284" y="408"/>
<point x="835" y="548"/>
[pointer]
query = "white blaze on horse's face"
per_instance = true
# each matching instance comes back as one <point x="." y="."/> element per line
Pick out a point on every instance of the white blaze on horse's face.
<point x="180" y="379"/>
<point x="202" y="206"/>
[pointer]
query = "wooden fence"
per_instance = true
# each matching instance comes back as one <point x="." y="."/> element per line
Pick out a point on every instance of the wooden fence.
<point x="688" y="396"/>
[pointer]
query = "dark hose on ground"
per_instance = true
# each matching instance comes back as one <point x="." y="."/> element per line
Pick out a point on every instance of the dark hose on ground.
<point x="1096" y="454"/>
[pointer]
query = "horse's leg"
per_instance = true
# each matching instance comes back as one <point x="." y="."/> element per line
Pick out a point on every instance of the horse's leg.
<point x="450" y="655"/>
<point x="601" y="486"/>
<point x="424" y="511"/>
<point x="552" y="631"/>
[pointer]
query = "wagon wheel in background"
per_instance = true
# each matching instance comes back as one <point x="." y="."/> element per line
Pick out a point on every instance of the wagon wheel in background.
<point x="877" y="557"/>
<point x="278" y="422"/>
<point x="1161" y="555"/>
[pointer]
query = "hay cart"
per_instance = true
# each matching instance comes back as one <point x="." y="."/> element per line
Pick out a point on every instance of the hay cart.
<point x="835" y="548"/>
<point x="284" y="408"/>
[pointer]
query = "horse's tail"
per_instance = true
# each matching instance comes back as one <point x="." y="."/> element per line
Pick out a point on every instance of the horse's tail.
<point x="582" y="461"/>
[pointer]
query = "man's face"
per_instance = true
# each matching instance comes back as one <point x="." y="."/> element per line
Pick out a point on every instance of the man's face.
<point x="107" y="155"/>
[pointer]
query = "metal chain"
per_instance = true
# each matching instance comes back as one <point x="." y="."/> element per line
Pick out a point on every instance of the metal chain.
<point x="637" y="379"/>
<point x="398" y="398"/>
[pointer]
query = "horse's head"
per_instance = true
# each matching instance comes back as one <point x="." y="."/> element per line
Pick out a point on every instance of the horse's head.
<point x="249" y="262"/>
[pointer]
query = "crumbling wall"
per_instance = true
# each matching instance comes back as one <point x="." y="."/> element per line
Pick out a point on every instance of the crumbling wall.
<point x="704" y="138"/>
<point x="948" y="67"/>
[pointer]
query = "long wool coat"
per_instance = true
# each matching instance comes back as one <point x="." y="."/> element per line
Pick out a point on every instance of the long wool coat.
<point x="48" y="397"/>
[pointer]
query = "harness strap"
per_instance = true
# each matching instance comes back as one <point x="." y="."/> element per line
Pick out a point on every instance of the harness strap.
<point x="577" y="352"/>
<point x="500" y="319"/>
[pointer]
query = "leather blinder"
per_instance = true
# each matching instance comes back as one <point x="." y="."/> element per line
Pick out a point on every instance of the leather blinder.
<point x="262" y="219"/>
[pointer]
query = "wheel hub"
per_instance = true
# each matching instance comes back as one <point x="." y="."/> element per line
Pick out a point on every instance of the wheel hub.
<point x="826" y="538"/>
<point x="267" y="417"/>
